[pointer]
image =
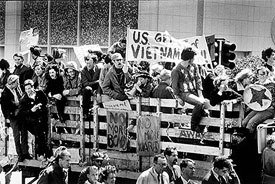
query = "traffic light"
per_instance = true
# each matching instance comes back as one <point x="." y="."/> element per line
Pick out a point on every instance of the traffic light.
<point x="218" y="48"/>
<point x="227" y="55"/>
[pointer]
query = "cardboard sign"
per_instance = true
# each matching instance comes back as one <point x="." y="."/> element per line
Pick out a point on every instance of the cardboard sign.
<point x="28" y="38"/>
<point x="81" y="51"/>
<point x="117" y="104"/>
<point x="116" y="130"/>
<point x="153" y="46"/>
<point x="148" y="135"/>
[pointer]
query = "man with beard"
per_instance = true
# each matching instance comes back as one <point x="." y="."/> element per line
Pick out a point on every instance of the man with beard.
<point x="172" y="169"/>
<point x="115" y="80"/>
<point x="187" y="167"/>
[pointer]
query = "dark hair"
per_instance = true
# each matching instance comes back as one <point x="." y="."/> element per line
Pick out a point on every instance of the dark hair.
<point x="57" y="54"/>
<point x="98" y="53"/>
<point x="55" y="67"/>
<point x="184" y="162"/>
<point x="156" y="157"/>
<point x="122" y="40"/>
<point x="18" y="55"/>
<point x="187" y="54"/>
<point x="221" y="162"/>
<point x="106" y="171"/>
<point x="144" y="66"/>
<point x="267" y="53"/>
<point x="35" y="50"/>
<point x="168" y="151"/>
<point x="4" y="64"/>
<point x="107" y="59"/>
<point x="50" y="58"/>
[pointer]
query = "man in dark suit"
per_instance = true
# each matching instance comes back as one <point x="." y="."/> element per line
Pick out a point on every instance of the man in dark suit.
<point x="24" y="72"/>
<point x="222" y="173"/>
<point x="89" y="81"/>
<point x="172" y="169"/>
<point x="187" y="167"/>
<point x="9" y="104"/>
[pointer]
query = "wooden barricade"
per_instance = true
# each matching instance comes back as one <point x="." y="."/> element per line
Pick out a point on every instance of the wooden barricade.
<point x="71" y="132"/>
<point x="217" y="140"/>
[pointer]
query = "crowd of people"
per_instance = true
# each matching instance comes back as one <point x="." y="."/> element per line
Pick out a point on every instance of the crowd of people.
<point x="48" y="79"/>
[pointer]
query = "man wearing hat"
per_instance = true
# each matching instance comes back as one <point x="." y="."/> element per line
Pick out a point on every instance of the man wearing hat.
<point x="9" y="103"/>
<point x="72" y="83"/>
<point x="143" y="87"/>
<point x="115" y="81"/>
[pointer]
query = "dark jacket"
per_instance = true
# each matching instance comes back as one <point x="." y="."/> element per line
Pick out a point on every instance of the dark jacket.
<point x="8" y="105"/>
<point x="90" y="78"/>
<point x="211" y="179"/>
<point x="52" y="175"/>
<point x="4" y="78"/>
<point x="216" y="99"/>
<point x="208" y="85"/>
<point x="55" y="86"/>
<point x="24" y="73"/>
<point x="163" y="91"/>
<point x="73" y="85"/>
<point x="115" y="83"/>
<point x="26" y="104"/>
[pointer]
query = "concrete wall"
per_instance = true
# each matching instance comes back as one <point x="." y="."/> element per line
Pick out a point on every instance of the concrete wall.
<point x="244" y="22"/>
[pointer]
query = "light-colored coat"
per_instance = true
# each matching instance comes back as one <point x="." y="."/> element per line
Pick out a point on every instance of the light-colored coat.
<point x="151" y="177"/>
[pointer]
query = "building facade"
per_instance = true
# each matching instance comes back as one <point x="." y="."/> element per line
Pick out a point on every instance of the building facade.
<point x="247" y="23"/>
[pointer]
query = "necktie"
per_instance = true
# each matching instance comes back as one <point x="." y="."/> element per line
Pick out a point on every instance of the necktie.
<point x="160" y="179"/>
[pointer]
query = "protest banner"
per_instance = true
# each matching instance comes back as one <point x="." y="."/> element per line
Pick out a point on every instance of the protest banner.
<point x="28" y="38"/>
<point x="152" y="46"/>
<point x="81" y="51"/>
<point x="199" y="44"/>
<point x="116" y="130"/>
<point x="117" y="104"/>
<point x="148" y="135"/>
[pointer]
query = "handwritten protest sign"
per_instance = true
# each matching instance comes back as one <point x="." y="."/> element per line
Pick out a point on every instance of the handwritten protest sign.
<point x="148" y="135"/>
<point x="116" y="130"/>
<point x="81" y="51"/>
<point x="199" y="44"/>
<point x="28" y="38"/>
<point x="117" y="104"/>
<point x="153" y="46"/>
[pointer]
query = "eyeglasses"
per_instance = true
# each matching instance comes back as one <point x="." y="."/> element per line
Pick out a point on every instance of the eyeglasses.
<point x="261" y="74"/>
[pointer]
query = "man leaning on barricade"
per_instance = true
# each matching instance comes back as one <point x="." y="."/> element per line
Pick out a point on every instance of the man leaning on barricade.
<point x="89" y="81"/>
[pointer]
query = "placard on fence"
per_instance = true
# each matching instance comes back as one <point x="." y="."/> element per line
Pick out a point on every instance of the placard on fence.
<point x="116" y="130"/>
<point x="148" y="135"/>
